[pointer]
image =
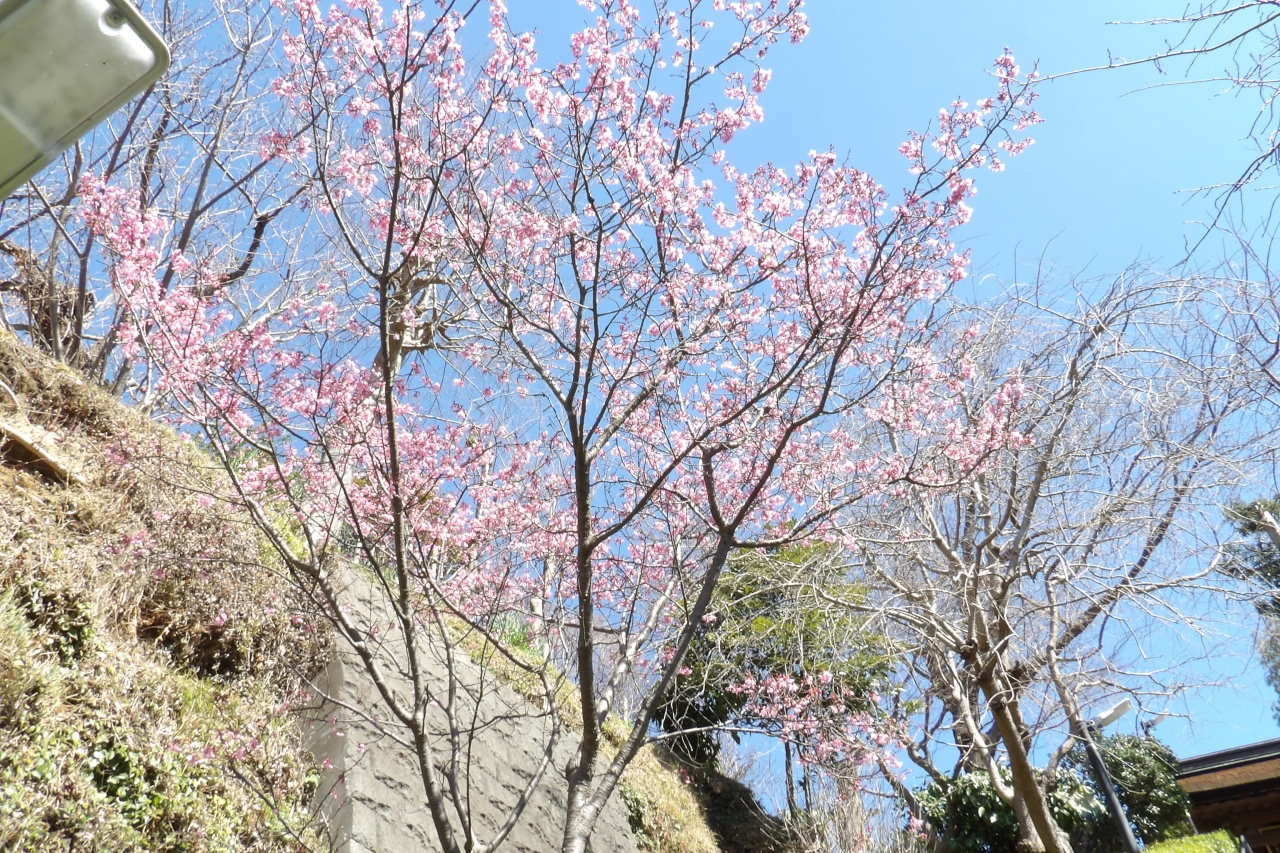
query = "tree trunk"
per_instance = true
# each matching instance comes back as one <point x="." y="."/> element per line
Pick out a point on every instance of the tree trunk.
<point x="792" y="807"/>
<point x="1036" y="808"/>
<point x="1028" y="840"/>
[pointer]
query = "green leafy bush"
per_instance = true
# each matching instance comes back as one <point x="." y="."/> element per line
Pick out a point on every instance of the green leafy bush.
<point x="61" y="615"/>
<point x="1209" y="842"/>
<point x="1144" y="772"/>
<point x="761" y="624"/>
<point x="970" y="814"/>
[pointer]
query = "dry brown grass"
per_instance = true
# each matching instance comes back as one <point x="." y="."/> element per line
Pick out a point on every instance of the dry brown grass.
<point x="145" y="637"/>
<point x="146" y="539"/>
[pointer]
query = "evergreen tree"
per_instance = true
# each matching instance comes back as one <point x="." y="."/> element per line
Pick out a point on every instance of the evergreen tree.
<point x="1145" y="774"/>
<point x="1257" y="560"/>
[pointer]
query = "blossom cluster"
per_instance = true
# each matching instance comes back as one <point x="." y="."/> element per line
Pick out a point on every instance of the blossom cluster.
<point x="555" y="343"/>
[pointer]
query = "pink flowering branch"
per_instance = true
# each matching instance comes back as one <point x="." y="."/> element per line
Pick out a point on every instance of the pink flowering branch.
<point x="557" y="348"/>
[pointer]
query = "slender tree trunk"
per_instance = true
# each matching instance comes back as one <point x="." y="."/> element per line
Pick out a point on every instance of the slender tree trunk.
<point x="792" y="808"/>
<point x="1036" y="808"/>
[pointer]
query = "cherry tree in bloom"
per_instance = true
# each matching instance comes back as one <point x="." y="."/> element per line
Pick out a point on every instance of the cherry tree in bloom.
<point x="555" y="354"/>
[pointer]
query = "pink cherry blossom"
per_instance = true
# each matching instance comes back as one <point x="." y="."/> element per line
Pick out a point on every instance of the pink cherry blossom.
<point x="555" y="345"/>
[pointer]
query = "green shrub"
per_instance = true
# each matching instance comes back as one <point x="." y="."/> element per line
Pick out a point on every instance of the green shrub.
<point x="61" y="615"/>
<point x="1144" y="772"/>
<point x="1209" y="842"/>
<point x="969" y="812"/>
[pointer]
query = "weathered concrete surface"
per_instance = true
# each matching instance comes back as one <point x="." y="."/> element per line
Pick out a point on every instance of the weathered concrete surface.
<point x="371" y="789"/>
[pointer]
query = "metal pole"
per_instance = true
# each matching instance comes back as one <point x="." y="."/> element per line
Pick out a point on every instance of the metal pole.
<point x="1109" y="791"/>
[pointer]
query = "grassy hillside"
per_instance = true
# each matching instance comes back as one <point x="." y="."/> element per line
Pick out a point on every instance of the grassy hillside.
<point x="147" y="646"/>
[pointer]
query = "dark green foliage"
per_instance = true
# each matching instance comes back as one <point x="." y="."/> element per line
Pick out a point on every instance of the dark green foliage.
<point x="125" y="778"/>
<point x="1257" y="561"/>
<point x="969" y="813"/>
<point x="1144" y="772"/>
<point x="1269" y="655"/>
<point x="62" y="616"/>
<point x="764" y="623"/>
<point x="972" y="817"/>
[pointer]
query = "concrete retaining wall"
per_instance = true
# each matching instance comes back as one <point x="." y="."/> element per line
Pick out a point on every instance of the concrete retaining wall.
<point x="371" y="792"/>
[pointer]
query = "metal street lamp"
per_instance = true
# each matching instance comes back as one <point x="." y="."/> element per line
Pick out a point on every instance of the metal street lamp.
<point x="1104" y="778"/>
<point x="64" y="66"/>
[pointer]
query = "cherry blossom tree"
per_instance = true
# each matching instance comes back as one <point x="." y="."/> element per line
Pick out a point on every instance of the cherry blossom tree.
<point x="543" y="349"/>
<point x="189" y="146"/>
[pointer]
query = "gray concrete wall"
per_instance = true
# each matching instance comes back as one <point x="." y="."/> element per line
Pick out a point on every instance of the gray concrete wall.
<point x="371" y="791"/>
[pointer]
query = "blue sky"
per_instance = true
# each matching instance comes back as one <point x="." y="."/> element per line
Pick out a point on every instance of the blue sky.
<point x="1104" y="186"/>
<point x="1107" y="183"/>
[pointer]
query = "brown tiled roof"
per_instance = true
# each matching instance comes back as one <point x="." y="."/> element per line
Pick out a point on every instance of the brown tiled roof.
<point x="1230" y="775"/>
<point x="1237" y="789"/>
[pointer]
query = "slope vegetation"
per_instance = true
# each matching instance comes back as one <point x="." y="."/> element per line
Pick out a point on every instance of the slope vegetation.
<point x="147" y="647"/>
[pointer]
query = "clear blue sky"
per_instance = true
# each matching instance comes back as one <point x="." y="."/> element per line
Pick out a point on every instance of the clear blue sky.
<point x="1100" y="188"/>
<point x="1104" y="185"/>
